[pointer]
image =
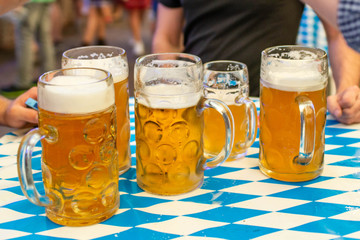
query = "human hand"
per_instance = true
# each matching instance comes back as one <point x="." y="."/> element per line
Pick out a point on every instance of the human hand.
<point x="345" y="106"/>
<point x="17" y="114"/>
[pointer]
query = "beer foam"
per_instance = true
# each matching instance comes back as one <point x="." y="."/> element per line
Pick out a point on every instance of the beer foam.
<point x="117" y="66"/>
<point x="166" y="96"/>
<point x="75" y="95"/>
<point x="227" y="96"/>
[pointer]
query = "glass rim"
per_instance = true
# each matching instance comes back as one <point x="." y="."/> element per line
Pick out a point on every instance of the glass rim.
<point x="196" y="59"/>
<point x="320" y="53"/>
<point x="243" y="65"/>
<point x="46" y="83"/>
<point x="122" y="52"/>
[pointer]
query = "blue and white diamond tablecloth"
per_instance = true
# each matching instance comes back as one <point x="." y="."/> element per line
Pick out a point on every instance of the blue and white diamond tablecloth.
<point x="236" y="201"/>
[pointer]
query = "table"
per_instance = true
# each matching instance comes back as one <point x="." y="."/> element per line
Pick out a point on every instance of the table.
<point x="236" y="200"/>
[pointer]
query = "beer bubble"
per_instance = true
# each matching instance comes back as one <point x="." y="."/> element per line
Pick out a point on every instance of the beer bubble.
<point x="165" y="155"/>
<point x="108" y="152"/>
<point x="113" y="125"/>
<point x="109" y="196"/>
<point x="97" y="177"/>
<point x="95" y="131"/>
<point x="179" y="132"/>
<point x="153" y="131"/>
<point x="191" y="151"/>
<point x="84" y="203"/>
<point x="81" y="157"/>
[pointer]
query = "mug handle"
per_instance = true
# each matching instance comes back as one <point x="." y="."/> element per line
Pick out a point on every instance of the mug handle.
<point x="251" y="115"/>
<point x="307" y="130"/>
<point x="225" y="112"/>
<point x="26" y="178"/>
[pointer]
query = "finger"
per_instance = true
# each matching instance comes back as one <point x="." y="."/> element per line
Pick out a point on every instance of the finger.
<point x="348" y="97"/>
<point x="333" y="106"/>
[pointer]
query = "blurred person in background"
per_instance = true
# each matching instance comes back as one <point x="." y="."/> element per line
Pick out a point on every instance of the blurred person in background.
<point x="100" y="13"/>
<point x="343" y="15"/>
<point x="14" y="113"/>
<point x="33" y="25"/>
<point x="137" y="10"/>
<point x="240" y="30"/>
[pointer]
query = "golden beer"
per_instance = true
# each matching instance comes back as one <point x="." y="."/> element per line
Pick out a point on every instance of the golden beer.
<point x="169" y="149"/>
<point x="123" y="123"/>
<point x="79" y="164"/>
<point x="280" y="133"/>
<point x="214" y="131"/>
<point x="114" y="60"/>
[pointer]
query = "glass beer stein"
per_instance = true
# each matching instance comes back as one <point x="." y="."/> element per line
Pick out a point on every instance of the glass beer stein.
<point x="169" y="124"/>
<point x="79" y="157"/>
<point x="228" y="82"/>
<point x="114" y="60"/>
<point x="292" y="112"/>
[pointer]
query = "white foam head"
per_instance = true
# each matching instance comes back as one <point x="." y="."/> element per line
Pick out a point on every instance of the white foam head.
<point x="299" y="72"/>
<point x="166" y="96"/>
<point x="75" y="95"/>
<point x="116" y="65"/>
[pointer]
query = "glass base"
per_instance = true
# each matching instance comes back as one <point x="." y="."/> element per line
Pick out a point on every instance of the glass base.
<point x="75" y="222"/>
<point x="124" y="169"/>
<point x="232" y="157"/>
<point x="170" y="191"/>
<point x="291" y="177"/>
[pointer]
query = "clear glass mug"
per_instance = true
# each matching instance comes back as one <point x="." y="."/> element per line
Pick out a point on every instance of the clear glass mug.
<point x="79" y="157"/>
<point x="228" y="81"/>
<point x="292" y="112"/>
<point x="114" y="60"/>
<point x="169" y="124"/>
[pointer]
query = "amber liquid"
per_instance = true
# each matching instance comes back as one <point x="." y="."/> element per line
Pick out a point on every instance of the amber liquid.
<point x="169" y="149"/>
<point x="123" y="124"/>
<point x="214" y="132"/>
<point x="80" y="166"/>
<point x="280" y="134"/>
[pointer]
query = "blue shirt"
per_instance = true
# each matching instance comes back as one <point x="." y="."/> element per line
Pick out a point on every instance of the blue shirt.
<point x="349" y="22"/>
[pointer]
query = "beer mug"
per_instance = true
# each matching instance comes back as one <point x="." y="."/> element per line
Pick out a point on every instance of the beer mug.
<point x="114" y="60"/>
<point x="79" y="157"/>
<point x="228" y="82"/>
<point x="169" y="124"/>
<point x="292" y="112"/>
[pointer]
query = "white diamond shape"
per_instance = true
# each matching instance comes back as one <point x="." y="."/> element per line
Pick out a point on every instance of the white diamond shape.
<point x="8" y="184"/>
<point x="279" y="220"/>
<point x="7" y="197"/>
<point x="242" y="163"/>
<point x="8" y="215"/>
<point x="338" y="171"/>
<point x="182" y="225"/>
<point x="269" y="203"/>
<point x="295" y="235"/>
<point x="176" y="208"/>
<point x="328" y="158"/>
<point x="245" y="174"/>
<point x="259" y="188"/>
<point x="10" y="234"/>
<point x="342" y="184"/>
<point x="87" y="232"/>
<point x="7" y="161"/>
<point x="348" y="198"/>
<point x="353" y="214"/>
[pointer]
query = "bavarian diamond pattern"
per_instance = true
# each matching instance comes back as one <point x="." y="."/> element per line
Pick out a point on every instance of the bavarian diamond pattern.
<point x="236" y="200"/>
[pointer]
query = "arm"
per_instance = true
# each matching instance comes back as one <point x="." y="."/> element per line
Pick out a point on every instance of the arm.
<point x="14" y="113"/>
<point x="168" y="32"/>
<point x="327" y="9"/>
<point x="345" y="64"/>
<point x="7" y="5"/>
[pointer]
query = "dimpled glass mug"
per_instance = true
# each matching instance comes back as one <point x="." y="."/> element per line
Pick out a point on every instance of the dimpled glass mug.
<point x="228" y="82"/>
<point x="169" y="124"/>
<point x="79" y="157"/>
<point x="114" y="60"/>
<point x="292" y="112"/>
